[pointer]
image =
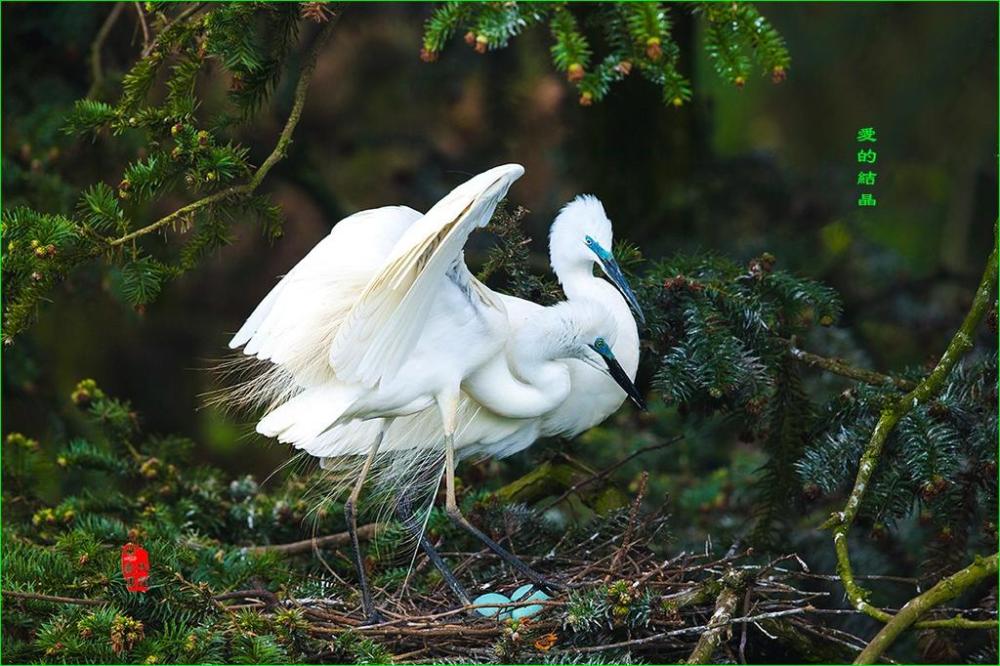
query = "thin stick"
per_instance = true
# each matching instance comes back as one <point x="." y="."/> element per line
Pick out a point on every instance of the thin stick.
<point x="96" y="70"/>
<point x="54" y="599"/>
<point x="365" y="533"/>
<point x="606" y="471"/>
<point x="142" y="23"/>
<point x="632" y="517"/>
<point x="191" y="9"/>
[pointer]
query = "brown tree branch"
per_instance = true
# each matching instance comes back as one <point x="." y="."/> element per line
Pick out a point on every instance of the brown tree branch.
<point x="285" y="138"/>
<point x="365" y="533"/>
<point x="96" y="70"/>
<point x="33" y="596"/>
<point x="838" y="367"/>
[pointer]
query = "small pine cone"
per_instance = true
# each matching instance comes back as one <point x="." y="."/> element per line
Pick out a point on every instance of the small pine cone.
<point x="678" y="102"/>
<point x="316" y="12"/>
<point x="624" y="67"/>
<point x="176" y="129"/>
<point x="778" y="74"/>
<point x="811" y="492"/>
<point x="427" y="55"/>
<point x="574" y="73"/>
<point x="482" y="43"/>
<point x="586" y="99"/>
<point x="739" y="82"/>
<point x="653" y="48"/>
<point x="203" y="138"/>
<point x="470" y="38"/>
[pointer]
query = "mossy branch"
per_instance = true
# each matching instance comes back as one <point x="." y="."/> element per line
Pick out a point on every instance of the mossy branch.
<point x="945" y="590"/>
<point x="838" y="367"/>
<point x="279" y="152"/>
<point x="841" y="522"/>
<point x="733" y="587"/>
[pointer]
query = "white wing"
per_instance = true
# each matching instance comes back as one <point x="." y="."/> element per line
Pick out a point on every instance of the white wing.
<point x="387" y="319"/>
<point x="295" y="323"/>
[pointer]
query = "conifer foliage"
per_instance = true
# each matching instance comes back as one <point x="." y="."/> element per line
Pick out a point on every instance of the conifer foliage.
<point x="181" y="151"/>
<point x="595" y="47"/>
<point x="65" y="599"/>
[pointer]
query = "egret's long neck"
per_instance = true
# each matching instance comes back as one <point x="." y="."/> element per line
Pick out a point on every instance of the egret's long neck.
<point x="578" y="282"/>
<point x="526" y="382"/>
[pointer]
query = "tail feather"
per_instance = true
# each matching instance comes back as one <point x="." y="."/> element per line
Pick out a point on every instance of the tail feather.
<point x="305" y="416"/>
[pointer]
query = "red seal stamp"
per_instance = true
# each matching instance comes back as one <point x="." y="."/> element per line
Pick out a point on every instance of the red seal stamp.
<point x="135" y="567"/>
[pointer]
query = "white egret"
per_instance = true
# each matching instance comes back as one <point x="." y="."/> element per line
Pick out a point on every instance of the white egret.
<point x="578" y="240"/>
<point x="370" y="328"/>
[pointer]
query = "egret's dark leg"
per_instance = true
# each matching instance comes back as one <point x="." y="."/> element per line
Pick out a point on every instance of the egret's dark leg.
<point x="404" y="509"/>
<point x="371" y="615"/>
<point x="451" y="507"/>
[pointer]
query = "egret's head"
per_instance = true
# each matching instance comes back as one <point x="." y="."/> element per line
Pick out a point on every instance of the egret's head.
<point x="603" y="359"/>
<point x="581" y="329"/>
<point x="580" y="237"/>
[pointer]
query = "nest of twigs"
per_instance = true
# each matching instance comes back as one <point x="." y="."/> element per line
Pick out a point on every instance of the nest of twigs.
<point x="627" y="602"/>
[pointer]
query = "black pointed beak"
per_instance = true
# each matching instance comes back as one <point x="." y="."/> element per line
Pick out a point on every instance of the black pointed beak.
<point x="617" y="277"/>
<point x="621" y="377"/>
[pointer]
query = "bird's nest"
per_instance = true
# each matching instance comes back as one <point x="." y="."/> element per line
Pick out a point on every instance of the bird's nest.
<point x="626" y="602"/>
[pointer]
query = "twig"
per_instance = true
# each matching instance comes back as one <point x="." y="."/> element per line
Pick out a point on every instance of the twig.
<point x="632" y="517"/>
<point x="142" y="23"/>
<point x="96" y="70"/>
<point x="839" y="367"/>
<point x="32" y="596"/>
<point x="365" y="533"/>
<point x="841" y="522"/>
<point x="685" y="630"/>
<point x="305" y="74"/>
<point x="607" y="470"/>
<point x="191" y="9"/>
<point x="945" y="589"/>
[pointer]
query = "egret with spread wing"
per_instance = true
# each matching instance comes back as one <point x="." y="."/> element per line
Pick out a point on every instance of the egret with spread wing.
<point x="370" y="328"/>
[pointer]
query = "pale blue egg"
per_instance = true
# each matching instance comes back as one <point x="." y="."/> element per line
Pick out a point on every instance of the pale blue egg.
<point x="490" y="598"/>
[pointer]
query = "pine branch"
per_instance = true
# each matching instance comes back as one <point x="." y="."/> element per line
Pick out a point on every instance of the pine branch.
<point x="841" y="522"/>
<point x="838" y="367"/>
<point x="945" y="590"/>
<point x="277" y="154"/>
